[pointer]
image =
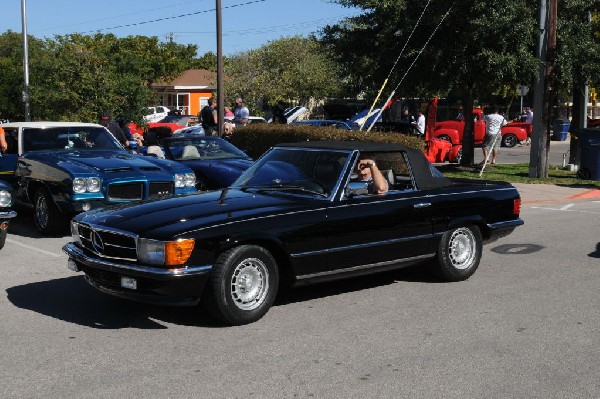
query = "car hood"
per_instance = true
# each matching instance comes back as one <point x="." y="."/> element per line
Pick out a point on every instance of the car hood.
<point x="173" y="217"/>
<point x="101" y="161"/>
<point x="218" y="173"/>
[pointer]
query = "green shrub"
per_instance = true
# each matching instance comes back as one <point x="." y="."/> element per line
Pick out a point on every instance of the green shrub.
<point x="257" y="138"/>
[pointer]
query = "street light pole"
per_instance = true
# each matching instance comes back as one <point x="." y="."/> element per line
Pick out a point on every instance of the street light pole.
<point x="25" y="62"/>
<point x="220" y="91"/>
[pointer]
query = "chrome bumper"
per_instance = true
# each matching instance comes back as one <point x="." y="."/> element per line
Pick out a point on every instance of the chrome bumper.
<point x="79" y="256"/>
<point x="8" y="215"/>
<point x="509" y="224"/>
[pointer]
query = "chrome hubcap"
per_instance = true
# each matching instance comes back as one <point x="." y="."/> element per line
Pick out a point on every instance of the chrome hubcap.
<point x="462" y="249"/>
<point x="249" y="284"/>
<point x="41" y="212"/>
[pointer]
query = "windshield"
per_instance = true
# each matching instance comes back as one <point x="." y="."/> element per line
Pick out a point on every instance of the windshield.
<point x="311" y="171"/>
<point x="68" y="138"/>
<point x="201" y="148"/>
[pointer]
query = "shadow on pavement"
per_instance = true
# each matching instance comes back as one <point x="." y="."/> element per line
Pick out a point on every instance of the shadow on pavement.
<point x="73" y="300"/>
<point x="415" y="274"/>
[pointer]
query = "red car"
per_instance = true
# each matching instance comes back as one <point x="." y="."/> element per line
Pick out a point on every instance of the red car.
<point x="452" y="131"/>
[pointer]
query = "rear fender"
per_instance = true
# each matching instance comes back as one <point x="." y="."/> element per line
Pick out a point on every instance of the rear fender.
<point x="452" y="133"/>
<point x="520" y="133"/>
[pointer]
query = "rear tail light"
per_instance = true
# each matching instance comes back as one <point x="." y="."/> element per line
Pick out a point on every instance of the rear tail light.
<point x="516" y="206"/>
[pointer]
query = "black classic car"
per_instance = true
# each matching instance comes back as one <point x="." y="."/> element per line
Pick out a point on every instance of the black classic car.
<point x="64" y="168"/>
<point x="6" y="213"/>
<point x="296" y="216"/>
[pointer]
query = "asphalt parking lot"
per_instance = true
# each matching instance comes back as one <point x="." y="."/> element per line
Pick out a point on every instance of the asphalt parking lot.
<point x="525" y="325"/>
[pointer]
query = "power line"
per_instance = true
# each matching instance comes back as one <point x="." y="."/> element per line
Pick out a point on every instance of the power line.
<point x="275" y="28"/>
<point x="174" y="17"/>
<point x="125" y="15"/>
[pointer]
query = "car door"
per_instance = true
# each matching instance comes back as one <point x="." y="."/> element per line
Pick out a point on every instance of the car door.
<point x="8" y="159"/>
<point x="373" y="230"/>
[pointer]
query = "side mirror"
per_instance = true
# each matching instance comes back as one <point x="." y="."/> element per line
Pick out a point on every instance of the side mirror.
<point x="357" y="188"/>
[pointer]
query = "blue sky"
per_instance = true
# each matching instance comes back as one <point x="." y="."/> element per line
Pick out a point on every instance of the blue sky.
<point x="247" y="24"/>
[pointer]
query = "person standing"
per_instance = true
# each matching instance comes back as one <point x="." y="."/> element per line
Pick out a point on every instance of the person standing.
<point x="3" y="144"/>
<point x="210" y="118"/>
<point x="420" y="123"/>
<point x="105" y="120"/>
<point x="241" y="113"/>
<point x="493" y="125"/>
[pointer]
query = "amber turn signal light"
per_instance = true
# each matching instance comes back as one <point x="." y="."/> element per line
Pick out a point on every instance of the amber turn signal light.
<point x="178" y="252"/>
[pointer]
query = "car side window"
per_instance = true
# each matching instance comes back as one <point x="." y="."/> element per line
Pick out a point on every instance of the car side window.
<point x="395" y="169"/>
<point x="11" y="135"/>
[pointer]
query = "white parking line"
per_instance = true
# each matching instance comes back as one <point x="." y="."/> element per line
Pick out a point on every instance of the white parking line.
<point x="566" y="208"/>
<point x="53" y="254"/>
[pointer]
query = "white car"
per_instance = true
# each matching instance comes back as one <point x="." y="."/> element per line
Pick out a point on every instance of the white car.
<point x="156" y="113"/>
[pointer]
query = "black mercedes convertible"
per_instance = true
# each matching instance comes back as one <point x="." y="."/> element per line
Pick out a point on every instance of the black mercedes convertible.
<point x="297" y="216"/>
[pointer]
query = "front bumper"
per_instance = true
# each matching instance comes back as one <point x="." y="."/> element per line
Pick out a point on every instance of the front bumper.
<point x="5" y="215"/>
<point x="177" y="287"/>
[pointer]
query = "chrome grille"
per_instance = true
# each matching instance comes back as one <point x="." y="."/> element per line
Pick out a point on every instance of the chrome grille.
<point x="126" y="191"/>
<point x="108" y="244"/>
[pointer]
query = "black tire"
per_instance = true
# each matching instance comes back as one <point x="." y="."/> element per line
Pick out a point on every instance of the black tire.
<point x="509" y="140"/>
<point x="3" y="234"/>
<point x="243" y="285"/>
<point x="48" y="218"/>
<point x="459" y="253"/>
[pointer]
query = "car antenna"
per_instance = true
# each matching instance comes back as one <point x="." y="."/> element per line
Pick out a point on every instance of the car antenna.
<point x="410" y="67"/>
<point x="394" y="66"/>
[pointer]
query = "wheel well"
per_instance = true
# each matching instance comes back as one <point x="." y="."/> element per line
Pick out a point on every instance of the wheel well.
<point x="33" y="187"/>
<point x="281" y="258"/>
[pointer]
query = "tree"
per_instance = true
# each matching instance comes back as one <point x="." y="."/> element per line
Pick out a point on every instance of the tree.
<point x="73" y="77"/>
<point x="293" y="68"/>
<point x="480" y="48"/>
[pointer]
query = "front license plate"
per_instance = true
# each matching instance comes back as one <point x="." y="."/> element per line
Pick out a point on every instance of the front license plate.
<point x="128" y="282"/>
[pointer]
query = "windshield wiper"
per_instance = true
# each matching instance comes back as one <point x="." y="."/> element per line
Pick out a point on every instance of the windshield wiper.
<point x="285" y="187"/>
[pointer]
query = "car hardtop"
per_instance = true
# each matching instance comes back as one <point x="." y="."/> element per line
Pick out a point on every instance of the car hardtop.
<point x="425" y="175"/>
<point x="45" y="124"/>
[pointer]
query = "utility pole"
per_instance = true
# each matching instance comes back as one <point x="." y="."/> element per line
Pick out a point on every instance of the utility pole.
<point x="580" y="100"/>
<point x="25" y="62"/>
<point x="220" y="90"/>
<point x="544" y="98"/>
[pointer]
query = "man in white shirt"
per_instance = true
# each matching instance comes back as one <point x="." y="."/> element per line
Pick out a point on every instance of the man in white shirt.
<point x="493" y="124"/>
<point x="420" y="123"/>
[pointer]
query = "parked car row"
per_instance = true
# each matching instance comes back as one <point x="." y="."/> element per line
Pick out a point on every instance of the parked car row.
<point x="64" y="168"/>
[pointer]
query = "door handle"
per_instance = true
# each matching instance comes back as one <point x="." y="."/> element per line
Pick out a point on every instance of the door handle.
<point x="422" y="205"/>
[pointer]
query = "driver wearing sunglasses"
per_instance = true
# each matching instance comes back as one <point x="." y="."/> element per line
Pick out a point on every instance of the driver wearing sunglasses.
<point x="367" y="171"/>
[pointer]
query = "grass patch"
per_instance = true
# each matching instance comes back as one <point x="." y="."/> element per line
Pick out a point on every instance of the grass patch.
<point x="517" y="173"/>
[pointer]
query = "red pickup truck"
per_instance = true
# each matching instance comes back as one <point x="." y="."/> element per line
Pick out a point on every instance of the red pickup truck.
<point x="452" y="131"/>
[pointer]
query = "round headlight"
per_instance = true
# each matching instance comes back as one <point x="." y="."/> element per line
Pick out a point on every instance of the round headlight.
<point x="93" y="185"/>
<point x="190" y="179"/>
<point x="179" y="180"/>
<point x="79" y="185"/>
<point x="5" y="198"/>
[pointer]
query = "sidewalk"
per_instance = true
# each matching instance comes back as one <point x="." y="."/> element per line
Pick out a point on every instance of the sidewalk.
<point x="540" y="193"/>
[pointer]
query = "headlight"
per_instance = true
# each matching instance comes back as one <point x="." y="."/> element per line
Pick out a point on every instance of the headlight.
<point x="169" y="253"/>
<point x="75" y="232"/>
<point x="190" y="180"/>
<point x="5" y="198"/>
<point x="93" y="185"/>
<point x="179" y="180"/>
<point x="79" y="185"/>
<point x="82" y="185"/>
